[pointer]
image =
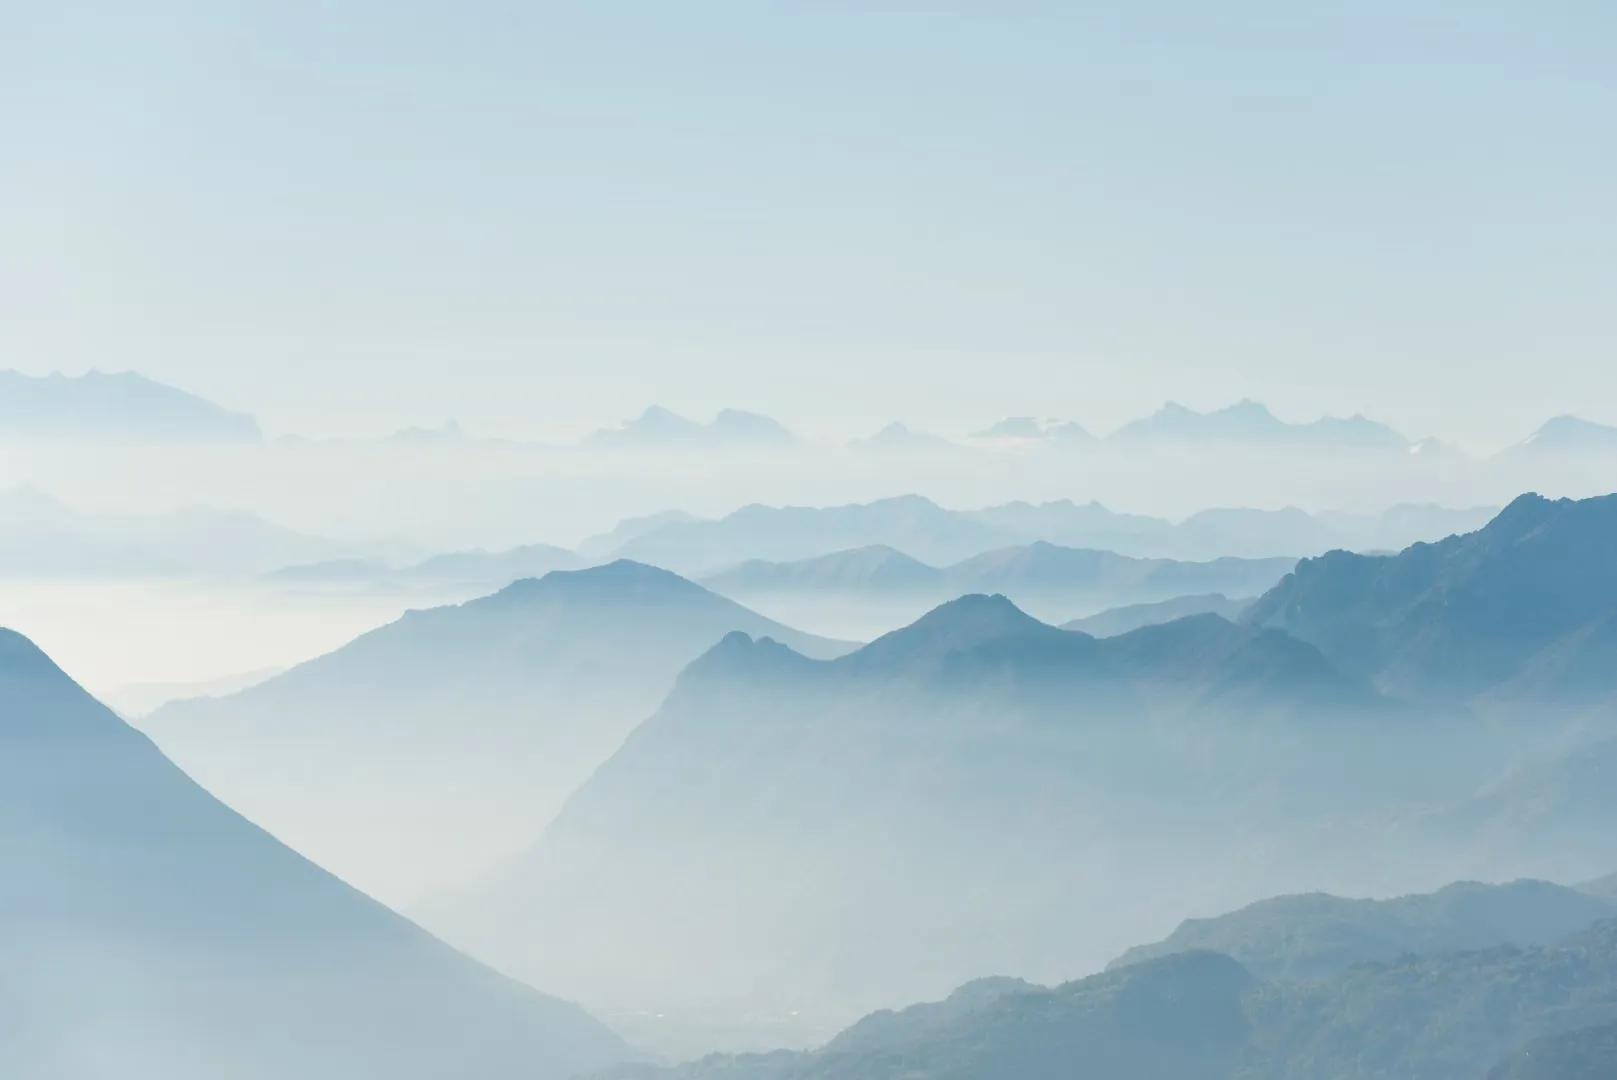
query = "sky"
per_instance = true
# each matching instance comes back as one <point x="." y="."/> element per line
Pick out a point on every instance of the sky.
<point x="539" y="217"/>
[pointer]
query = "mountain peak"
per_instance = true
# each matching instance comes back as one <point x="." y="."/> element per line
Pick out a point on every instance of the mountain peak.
<point x="963" y="624"/>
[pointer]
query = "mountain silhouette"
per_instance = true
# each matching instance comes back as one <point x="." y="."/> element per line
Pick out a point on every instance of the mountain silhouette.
<point x="1249" y="424"/>
<point x="150" y="931"/>
<point x="1528" y="596"/>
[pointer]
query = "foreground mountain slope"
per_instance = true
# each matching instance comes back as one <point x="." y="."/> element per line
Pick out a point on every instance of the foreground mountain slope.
<point x="1316" y="936"/>
<point x="151" y="933"/>
<point x="1200" y="1015"/>
<point x="421" y="752"/>
<point x="949" y="799"/>
<point x="1467" y="615"/>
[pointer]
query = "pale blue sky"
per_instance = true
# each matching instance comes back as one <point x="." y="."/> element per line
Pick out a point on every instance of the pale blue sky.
<point x="349" y="216"/>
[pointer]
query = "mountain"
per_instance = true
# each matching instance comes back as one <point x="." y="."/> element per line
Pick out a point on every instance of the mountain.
<point x="1028" y="428"/>
<point x="956" y="796"/>
<point x="909" y="523"/>
<point x="922" y="529"/>
<point x="1605" y="887"/>
<point x="43" y="537"/>
<point x="420" y="753"/>
<point x="1567" y="435"/>
<point x="1547" y="1011"/>
<point x="657" y="428"/>
<point x="113" y="407"/>
<point x="459" y="569"/>
<point x="151" y="933"/>
<point x="1317" y="936"/>
<point x="1177" y="1019"/>
<point x="1583" y="1054"/>
<point x="1524" y="608"/>
<point x="877" y="585"/>
<point x="1121" y="620"/>
<point x="899" y="438"/>
<point x="1249" y="425"/>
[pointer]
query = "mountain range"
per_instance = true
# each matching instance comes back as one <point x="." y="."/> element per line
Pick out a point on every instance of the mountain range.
<point x="942" y="801"/>
<point x="43" y="537"/>
<point x="657" y="428"/>
<point x="1524" y="608"/>
<point x="880" y="586"/>
<point x="113" y="407"/>
<point x="150" y="932"/>
<point x="1536" y="998"/>
<point x="926" y="531"/>
<point x="420" y="753"/>
<point x="475" y="569"/>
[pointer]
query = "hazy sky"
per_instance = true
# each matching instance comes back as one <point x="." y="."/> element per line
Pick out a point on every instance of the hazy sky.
<point x="349" y="216"/>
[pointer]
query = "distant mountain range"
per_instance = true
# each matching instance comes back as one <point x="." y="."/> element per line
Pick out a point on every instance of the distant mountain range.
<point x="1249" y="424"/>
<point x="416" y="756"/>
<point x="149" y="931"/>
<point x="1535" y="999"/>
<point x="42" y="537"/>
<point x="1051" y="582"/>
<point x="926" y="531"/>
<point x="659" y="429"/>
<point x="487" y="570"/>
<point x="1567" y="435"/>
<point x="1120" y="620"/>
<point x="113" y="407"/>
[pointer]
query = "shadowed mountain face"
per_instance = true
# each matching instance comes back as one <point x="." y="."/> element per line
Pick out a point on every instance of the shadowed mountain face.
<point x="103" y="407"/>
<point x="1522" y="609"/>
<point x="1317" y="936"/>
<point x="422" y="752"/>
<point x="151" y="933"/>
<point x="952" y="798"/>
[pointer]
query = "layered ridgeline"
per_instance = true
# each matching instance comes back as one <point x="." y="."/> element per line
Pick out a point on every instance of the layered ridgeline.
<point x="979" y="791"/>
<point x="933" y="534"/>
<point x="1120" y="620"/>
<point x="1535" y="997"/>
<point x="151" y="933"/>
<point x="848" y="591"/>
<point x="422" y="752"/>
<point x="1524" y="609"/>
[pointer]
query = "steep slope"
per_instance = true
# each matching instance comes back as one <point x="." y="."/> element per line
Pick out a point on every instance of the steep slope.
<point x="151" y="933"/>
<point x="422" y="752"/>
<point x="107" y="407"/>
<point x="951" y="798"/>
<point x="1458" y="618"/>
<point x="1316" y="936"/>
